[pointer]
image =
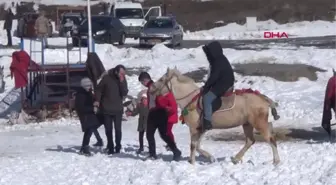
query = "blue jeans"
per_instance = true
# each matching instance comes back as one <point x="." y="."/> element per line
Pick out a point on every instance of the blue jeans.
<point x="208" y="98"/>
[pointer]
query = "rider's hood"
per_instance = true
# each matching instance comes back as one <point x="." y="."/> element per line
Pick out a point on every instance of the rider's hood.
<point x="213" y="51"/>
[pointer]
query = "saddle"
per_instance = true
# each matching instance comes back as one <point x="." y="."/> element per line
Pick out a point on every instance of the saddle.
<point x="223" y="103"/>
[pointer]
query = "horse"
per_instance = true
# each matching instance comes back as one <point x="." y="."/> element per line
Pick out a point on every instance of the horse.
<point x="246" y="109"/>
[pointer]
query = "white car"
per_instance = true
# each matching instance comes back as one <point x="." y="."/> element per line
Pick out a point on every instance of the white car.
<point x="132" y="16"/>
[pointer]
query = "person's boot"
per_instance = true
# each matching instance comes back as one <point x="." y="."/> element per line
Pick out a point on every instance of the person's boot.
<point x="275" y="114"/>
<point x="85" y="151"/>
<point x="167" y="148"/>
<point x="117" y="149"/>
<point x="140" y="150"/>
<point x="206" y="125"/>
<point x="99" y="143"/>
<point x="177" y="154"/>
<point x="151" y="157"/>
<point x="109" y="150"/>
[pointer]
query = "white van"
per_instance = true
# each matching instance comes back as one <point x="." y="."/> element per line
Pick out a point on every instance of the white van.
<point x="133" y="17"/>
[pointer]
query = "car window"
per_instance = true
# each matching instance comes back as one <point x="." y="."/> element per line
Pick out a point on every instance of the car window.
<point x="159" y="23"/>
<point x="98" y="22"/>
<point x="116" y="23"/>
<point x="129" y="13"/>
<point x="75" y="19"/>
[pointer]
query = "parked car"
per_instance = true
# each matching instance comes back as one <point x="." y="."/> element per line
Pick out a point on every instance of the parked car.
<point x="132" y="16"/>
<point x="75" y="18"/>
<point x="105" y="29"/>
<point x="26" y="24"/>
<point x="164" y="29"/>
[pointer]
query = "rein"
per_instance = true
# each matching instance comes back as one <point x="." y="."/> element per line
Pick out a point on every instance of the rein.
<point x="185" y="109"/>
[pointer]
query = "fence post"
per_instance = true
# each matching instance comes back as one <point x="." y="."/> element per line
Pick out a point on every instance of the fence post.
<point x="93" y="46"/>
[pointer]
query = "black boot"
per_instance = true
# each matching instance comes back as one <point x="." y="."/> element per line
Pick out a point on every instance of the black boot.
<point x="109" y="151"/>
<point x="167" y="148"/>
<point x="206" y="125"/>
<point x="140" y="150"/>
<point x="85" y="151"/>
<point x="99" y="143"/>
<point x="151" y="157"/>
<point x="117" y="149"/>
<point x="275" y="114"/>
<point x="177" y="154"/>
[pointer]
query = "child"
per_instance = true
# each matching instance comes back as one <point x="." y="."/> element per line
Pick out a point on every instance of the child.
<point x="140" y="107"/>
<point x="88" y="119"/>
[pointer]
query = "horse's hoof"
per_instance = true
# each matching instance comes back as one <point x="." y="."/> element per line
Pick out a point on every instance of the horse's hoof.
<point x="276" y="162"/>
<point x="191" y="161"/>
<point x="234" y="160"/>
<point x="212" y="159"/>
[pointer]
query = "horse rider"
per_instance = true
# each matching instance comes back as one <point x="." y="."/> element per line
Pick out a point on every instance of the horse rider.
<point x="220" y="79"/>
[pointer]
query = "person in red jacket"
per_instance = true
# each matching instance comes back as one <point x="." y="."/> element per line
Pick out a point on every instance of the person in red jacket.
<point x="168" y="102"/>
<point x="162" y="115"/>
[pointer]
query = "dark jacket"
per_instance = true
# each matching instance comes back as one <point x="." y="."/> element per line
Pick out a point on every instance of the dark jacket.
<point x="221" y="76"/>
<point x="8" y="20"/>
<point x="94" y="67"/>
<point x="110" y="92"/>
<point x="84" y="108"/>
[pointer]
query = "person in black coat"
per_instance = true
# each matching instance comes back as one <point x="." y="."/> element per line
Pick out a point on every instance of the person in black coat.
<point x="110" y="93"/>
<point x="88" y="119"/>
<point x="8" y="26"/>
<point x="220" y="79"/>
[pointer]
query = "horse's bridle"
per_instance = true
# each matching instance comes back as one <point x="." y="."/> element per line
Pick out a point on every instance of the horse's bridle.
<point x="168" y="82"/>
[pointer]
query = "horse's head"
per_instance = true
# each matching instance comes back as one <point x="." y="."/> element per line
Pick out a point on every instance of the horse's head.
<point x="164" y="84"/>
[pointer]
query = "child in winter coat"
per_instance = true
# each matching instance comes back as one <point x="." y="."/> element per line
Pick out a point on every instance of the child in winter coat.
<point x="88" y="119"/>
<point x="140" y="107"/>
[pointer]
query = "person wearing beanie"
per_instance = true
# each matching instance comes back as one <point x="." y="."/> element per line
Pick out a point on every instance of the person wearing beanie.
<point x="84" y="108"/>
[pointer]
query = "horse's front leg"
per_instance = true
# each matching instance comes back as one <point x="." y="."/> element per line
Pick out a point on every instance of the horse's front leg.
<point x="193" y="143"/>
<point x="201" y="151"/>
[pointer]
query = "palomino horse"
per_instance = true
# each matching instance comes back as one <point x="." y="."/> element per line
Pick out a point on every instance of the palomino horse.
<point x="247" y="109"/>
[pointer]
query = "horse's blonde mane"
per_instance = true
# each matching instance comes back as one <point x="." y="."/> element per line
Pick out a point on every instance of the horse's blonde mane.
<point x="182" y="78"/>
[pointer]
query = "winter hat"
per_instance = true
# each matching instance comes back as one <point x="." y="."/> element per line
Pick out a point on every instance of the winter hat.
<point x="86" y="83"/>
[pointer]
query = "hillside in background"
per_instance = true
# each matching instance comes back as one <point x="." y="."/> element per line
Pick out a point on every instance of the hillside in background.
<point x="197" y="15"/>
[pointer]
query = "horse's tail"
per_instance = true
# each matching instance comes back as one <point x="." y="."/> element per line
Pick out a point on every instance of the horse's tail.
<point x="272" y="105"/>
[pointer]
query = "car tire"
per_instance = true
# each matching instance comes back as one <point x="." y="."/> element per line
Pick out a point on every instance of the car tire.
<point x="122" y="39"/>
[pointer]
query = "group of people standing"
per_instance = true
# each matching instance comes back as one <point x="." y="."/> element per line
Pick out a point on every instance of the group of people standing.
<point x="100" y="102"/>
<point x="41" y="27"/>
<point x="104" y="105"/>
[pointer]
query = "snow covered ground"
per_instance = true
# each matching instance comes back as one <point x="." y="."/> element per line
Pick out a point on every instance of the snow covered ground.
<point x="46" y="153"/>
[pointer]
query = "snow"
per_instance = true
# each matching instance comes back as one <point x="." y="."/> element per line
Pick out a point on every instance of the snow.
<point x="234" y="31"/>
<point x="47" y="153"/>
